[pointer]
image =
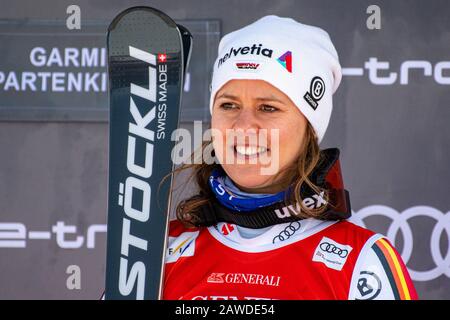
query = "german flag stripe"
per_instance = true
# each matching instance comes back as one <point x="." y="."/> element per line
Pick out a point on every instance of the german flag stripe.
<point x="409" y="283"/>
<point x="394" y="268"/>
<point x="404" y="275"/>
<point x="387" y="269"/>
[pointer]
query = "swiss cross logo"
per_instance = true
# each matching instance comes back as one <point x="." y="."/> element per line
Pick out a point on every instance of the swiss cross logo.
<point x="162" y="57"/>
<point x="227" y="228"/>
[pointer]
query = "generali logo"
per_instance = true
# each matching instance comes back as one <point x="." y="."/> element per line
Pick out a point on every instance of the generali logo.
<point x="246" y="278"/>
<point x="215" y="278"/>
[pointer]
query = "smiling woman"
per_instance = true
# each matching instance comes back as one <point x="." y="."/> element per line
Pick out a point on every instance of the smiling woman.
<point x="246" y="107"/>
<point x="271" y="101"/>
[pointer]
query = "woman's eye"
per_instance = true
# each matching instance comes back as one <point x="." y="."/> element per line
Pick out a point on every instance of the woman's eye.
<point x="267" y="108"/>
<point x="227" y="106"/>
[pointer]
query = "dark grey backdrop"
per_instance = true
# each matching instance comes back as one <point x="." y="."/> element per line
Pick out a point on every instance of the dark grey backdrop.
<point x="394" y="139"/>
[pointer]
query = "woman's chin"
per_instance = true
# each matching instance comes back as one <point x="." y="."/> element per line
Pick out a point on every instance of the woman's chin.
<point x="247" y="181"/>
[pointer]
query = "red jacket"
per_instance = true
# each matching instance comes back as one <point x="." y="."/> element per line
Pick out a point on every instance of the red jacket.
<point x="309" y="259"/>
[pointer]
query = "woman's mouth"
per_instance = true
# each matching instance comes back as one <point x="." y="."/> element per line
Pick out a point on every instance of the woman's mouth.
<point x="250" y="151"/>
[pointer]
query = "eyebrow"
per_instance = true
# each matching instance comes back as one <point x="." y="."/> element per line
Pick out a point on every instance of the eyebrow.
<point x="269" y="98"/>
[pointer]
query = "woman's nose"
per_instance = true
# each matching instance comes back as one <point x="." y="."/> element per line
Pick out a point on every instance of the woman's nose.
<point x="246" y="121"/>
<point x="245" y="129"/>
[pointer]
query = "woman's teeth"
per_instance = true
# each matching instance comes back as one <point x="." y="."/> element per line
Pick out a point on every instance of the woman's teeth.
<point x="250" y="151"/>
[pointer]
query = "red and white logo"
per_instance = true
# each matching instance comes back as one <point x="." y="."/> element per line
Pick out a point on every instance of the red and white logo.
<point x="244" y="278"/>
<point x="162" y="57"/>
<point x="227" y="229"/>
<point x="216" y="278"/>
<point x="247" y="65"/>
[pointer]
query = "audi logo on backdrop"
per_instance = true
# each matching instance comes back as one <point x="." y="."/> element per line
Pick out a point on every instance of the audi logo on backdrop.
<point x="400" y="222"/>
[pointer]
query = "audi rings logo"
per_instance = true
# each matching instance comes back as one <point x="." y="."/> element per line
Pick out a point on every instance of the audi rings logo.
<point x="401" y="222"/>
<point x="331" y="253"/>
<point x="287" y="232"/>
<point x="331" y="248"/>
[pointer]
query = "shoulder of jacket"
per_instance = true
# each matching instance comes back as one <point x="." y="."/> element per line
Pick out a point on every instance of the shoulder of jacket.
<point x="352" y="229"/>
<point x="176" y="228"/>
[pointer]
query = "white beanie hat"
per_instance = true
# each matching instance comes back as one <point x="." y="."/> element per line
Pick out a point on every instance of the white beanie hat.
<point x="298" y="59"/>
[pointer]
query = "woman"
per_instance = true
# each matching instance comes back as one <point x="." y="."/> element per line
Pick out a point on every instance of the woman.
<point x="269" y="221"/>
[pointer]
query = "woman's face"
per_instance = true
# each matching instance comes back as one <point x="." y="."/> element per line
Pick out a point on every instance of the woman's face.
<point x="248" y="109"/>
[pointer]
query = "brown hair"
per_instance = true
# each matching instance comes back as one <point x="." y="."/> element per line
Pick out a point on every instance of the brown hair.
<point x="298" y="175"/>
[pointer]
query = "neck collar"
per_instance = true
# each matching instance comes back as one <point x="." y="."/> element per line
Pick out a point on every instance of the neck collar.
<point x="258" y="211"/>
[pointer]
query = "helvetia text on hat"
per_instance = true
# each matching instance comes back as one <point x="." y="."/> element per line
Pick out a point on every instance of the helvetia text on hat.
<point x="254" y="49"/>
